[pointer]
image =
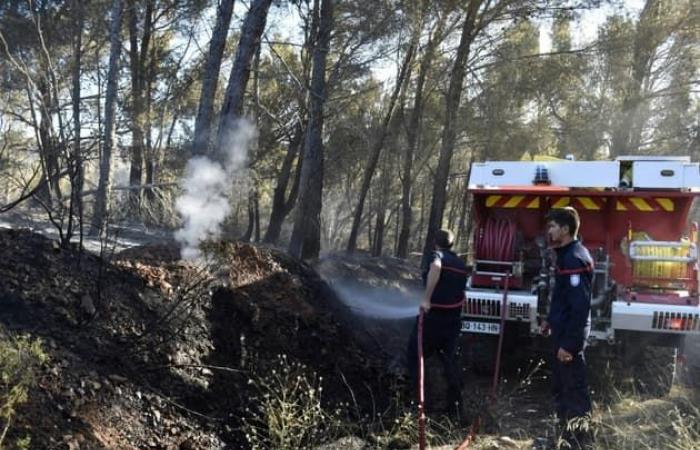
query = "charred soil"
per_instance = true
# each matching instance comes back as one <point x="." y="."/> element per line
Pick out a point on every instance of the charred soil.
<point x="148" y="351"/>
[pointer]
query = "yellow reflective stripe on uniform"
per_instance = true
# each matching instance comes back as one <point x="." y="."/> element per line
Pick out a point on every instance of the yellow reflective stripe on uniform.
<point x="665" y="203"/>
<point x="641" y="204"/>
<point x="492" y="200"/>
<point x="513" y="201"/>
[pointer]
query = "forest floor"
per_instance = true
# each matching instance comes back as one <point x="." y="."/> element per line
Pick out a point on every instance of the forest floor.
<point x="252" y="349"/>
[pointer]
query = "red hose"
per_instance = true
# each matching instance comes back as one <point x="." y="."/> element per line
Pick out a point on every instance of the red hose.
<point x="421" y="381"/>
<point x="495" y="240"/>
<point x="494" y="384"/>
<point x="497" y="367"/>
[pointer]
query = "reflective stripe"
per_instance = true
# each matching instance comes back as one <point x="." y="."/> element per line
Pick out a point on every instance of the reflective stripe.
<point x="588" y="203"/>
<point x="535" y="203"/>
<point x="450" y="306"/>
<point x="665" y="203"/>
<point x="562" y="202"/>
<point x="641" y="204"/>
<point x="513" y="201"/>
<point x="492" y="200"/>
<point x="452" y="269"/>
<point x="588" y="268"/>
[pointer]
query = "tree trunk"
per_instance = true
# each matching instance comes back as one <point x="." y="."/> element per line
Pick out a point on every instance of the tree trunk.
<point x="376" y="150"/>
<point x="380" y="224"/>
<point x="449" y="131"/>
<point x="232" y="108"/>
<point x="152" y="154"/>
<point x="306" y="234"/>
<point x="137" y="59"/>
<point x="412" y="134"/>
<point x="210" y="80"/>
<point x="104" y="186"/>
<point x="76" y="161"/>
<point x="281" y="206"/>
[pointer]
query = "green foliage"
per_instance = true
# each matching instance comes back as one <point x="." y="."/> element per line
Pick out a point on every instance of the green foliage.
<point x="20" y="360"/>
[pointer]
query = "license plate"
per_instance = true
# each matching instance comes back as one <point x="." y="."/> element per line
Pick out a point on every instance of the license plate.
<point x="469" y="326"/>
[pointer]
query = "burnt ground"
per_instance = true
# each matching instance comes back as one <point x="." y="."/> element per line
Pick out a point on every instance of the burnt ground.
<point x="149" y="351"/>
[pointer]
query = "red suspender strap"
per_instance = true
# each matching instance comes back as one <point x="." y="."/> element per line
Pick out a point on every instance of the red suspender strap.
<point x="452" y="269"/>
<point x="588" y="268"/>
<point x="450" y="306"/>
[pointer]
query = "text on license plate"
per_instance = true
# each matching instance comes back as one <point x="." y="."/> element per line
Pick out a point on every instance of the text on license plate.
<point x="469" y="326"/>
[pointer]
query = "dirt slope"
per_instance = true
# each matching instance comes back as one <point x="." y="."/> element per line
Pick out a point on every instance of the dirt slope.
<point x="151" y="352"/>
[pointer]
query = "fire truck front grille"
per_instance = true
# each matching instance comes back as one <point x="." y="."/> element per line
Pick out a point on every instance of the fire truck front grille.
<point x="675" y="321"/>
<point x="492" y="308"/>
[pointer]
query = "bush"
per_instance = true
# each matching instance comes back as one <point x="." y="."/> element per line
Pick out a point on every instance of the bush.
<point x="20" y="360"/>
<point x="288" y="414"/>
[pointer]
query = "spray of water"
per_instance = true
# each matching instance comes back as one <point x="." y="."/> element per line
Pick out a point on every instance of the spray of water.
<point x="206" y="185"/>
<point x="378" y="302"/>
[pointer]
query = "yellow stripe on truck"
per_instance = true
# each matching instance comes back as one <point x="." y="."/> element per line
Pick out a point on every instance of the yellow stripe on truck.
<point x="514" y="201"/>
<point x="492" y="200"/>
<point x="562" y="202"/>
<point x="588" y="203"/>
<point x="535" y="203"/>
<point x="641" y="204"/>
<point x="665" y="203"/>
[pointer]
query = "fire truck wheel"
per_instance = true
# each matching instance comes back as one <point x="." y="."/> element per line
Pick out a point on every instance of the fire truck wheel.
<point x="648" y="370"/>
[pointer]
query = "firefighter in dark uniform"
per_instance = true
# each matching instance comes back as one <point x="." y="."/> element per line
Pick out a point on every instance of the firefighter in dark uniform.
<point x="445" y="281"/>
<point x="568" y="324"/>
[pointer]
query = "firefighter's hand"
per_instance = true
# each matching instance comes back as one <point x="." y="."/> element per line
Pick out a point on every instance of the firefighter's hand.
<point x="425" y="305"/>
<point x="564" y="356"/>
<point x="545" y="330"/>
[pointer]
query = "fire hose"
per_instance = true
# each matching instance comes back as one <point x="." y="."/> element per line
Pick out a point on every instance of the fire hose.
<point x="421" y="376"/>
<point x="495" y="240"/>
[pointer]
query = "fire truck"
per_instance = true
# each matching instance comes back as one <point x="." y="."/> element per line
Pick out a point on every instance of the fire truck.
<point x="635" y="215"/>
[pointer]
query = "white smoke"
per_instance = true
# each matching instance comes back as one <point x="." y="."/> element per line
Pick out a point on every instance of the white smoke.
<point x="204" y="204"/>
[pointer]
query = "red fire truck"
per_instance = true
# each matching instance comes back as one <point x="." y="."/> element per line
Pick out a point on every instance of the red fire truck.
<point x="635" y="223"/>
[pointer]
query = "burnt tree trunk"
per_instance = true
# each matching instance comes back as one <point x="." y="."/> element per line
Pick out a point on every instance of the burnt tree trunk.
<point x="210" y="79"/>
<point x="377" y="148"/>
<point x="75" y="163"/>
<point x="104" y="186"/>
<point x="232" y="108"/>
<point x="412" y="135"/>
<point x="281" y="204"/>
<point x="137" y="68"/>
<point x="306" y="234"/>
<point x="449" y="131"/>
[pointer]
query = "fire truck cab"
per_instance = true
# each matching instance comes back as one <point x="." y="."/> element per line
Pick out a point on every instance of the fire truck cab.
<point x="635" y="223"/>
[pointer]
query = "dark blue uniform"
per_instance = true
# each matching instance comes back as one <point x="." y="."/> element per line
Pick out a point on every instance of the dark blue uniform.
<point x="570" y="322"/>
<point x="441" y="325"/>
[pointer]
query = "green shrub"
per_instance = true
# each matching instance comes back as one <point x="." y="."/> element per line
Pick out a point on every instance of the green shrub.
<point x="288" y="414"/>
<point x="20" y="360"/>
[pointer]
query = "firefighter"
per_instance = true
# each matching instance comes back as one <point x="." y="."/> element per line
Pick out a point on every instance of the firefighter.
<point x="445" y="281"/>
<point x="568" y="325"/>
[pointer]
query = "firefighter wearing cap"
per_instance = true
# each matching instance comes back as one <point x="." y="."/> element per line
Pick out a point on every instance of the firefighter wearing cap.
<point x="568" y="324"/>
<point x="445" y="281"/>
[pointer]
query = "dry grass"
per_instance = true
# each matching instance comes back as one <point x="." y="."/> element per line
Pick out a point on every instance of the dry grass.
<point x="291" y="417"/>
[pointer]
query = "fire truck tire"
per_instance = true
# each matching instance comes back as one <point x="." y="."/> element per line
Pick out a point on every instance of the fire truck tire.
<point x="480" y="353"/>
<point x="654" y="371"/>
<point x="648" y="369"/>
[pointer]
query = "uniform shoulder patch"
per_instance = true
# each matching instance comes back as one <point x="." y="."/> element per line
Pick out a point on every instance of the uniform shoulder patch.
<point x="575" y="279"/>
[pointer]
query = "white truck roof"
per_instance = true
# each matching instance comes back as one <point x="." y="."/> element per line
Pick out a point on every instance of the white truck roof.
<point x="674" y="173"/>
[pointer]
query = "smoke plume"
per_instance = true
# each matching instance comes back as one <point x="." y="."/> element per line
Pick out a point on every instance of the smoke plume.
<point x="204" y="203"/>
